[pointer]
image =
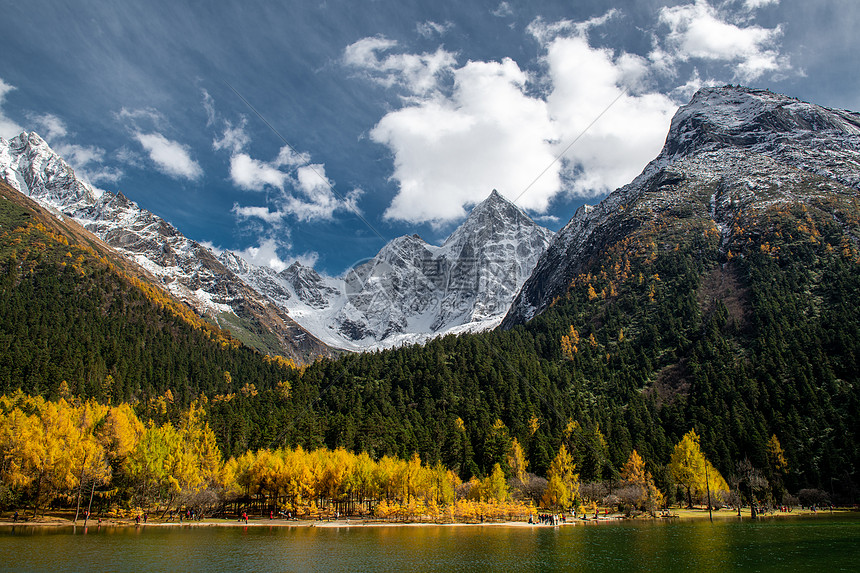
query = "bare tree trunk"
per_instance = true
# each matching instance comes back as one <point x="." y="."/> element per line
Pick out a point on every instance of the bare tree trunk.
<point x="90" y="506"/>
<point x="80" y="489"/>
<point x="708" y="486"/>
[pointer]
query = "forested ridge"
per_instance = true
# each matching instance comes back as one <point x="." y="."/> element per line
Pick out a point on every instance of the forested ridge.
<point x="748" y="342"/>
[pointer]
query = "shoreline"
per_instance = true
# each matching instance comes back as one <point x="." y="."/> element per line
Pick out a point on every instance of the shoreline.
<point x="681" y="514"/>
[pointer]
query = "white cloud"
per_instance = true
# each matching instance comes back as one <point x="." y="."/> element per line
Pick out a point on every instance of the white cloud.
<point x="612" y="150"/>
<point x="699" y="32"/>
<point x="302" y="189"/>
<point x="253" y="175"/>
<point x="451" y="152"/>
<point x="503" y="10"/>
<point x="429" y="29"/>
<point x="263" y="213"/>
<point x="50" y="126"/>
<point x="266" y="254"/>
<point x="756" y="4"/>
<point x="172" y="158"/>
<point x="233" y="138"/>
<point x="418" y="73"/>
<point x="585" y="123"/>
<point x="306" y="192"/>
<point x="8" y="128"/>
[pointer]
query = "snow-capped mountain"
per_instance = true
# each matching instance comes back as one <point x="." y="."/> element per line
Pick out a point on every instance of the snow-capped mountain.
<point x="184" y="267"/>
<point x="412" y="291"/>
<point x="730" y="150"/>
<point x="409" y="292"/>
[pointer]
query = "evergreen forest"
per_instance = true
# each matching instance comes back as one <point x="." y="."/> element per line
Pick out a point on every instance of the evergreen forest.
<point x="748" y="350"/>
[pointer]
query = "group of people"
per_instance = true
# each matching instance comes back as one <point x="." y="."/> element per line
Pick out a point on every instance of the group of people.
<point x="549" y="519"/>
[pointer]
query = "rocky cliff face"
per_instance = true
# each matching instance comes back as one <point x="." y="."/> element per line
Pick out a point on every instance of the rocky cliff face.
<point x="185" y="268"/>
<point x="411" y="290"/>
<point x="730" y="150"/>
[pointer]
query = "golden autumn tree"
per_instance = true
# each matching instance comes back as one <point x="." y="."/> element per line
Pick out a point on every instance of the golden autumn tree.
<point x="562" y="481"/>
<point x="493" y="488"/>
<point x="693" y="471"/>
<point x="517" y="461"/>
<point x="637" y="484"/>
<point x="169" y="463"/>
<point x="570" y="343"/>
<point x="776" y="456"/>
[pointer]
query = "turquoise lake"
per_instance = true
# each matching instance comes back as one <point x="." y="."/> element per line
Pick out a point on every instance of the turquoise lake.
<point x="822" y="543"/>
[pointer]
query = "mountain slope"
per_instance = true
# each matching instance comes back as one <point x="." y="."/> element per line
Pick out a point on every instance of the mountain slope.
<point x="184" y="267"/>
<point x="76" y="317"/>
<point x="412" y="291"/>
<point x="729" y="150"/>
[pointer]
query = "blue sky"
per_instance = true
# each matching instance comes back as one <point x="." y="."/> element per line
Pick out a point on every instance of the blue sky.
<point x="317" y="131"/>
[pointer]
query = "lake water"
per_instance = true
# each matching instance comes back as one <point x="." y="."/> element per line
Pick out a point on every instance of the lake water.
<point x="789" y="544"/>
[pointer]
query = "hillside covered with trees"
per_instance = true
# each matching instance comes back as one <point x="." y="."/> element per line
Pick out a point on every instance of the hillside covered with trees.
<point x="752" y="345"/>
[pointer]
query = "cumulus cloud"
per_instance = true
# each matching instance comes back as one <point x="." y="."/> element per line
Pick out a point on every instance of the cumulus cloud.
<point x="585" y="122"/>
<point x="632" y="122"/>
<point x="302" y="189"/>
<point x="253" y="175"/>
<point x="170" y="157"/>
<point x="262" y="213"/>
<point x="700" y="32"/>
<point x="305" y="191"/>
<point x="450" y="152"/>
<point x="8" y="128"/>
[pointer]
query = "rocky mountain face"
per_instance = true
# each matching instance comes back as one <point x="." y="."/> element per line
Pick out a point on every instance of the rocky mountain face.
<point x="411" y="290"/>
<point x="185" y="268"/>
<point x="731" y="153"/>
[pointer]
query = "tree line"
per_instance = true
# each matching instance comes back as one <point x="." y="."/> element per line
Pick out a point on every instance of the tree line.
<point x="97" y="458"/>
<point x="748" y="340"/>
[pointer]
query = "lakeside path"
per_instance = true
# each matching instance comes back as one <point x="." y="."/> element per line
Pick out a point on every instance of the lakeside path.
<point x="682" y="514"/>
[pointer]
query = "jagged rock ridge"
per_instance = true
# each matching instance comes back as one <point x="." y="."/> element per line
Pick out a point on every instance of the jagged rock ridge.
<point x="411" y="290"/>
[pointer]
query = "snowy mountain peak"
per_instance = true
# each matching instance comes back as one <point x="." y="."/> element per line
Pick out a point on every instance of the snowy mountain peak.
<point x="411" y="290"/>
<point x="794" y="132"/>
<point x="185" y="268"/>
<point x="29" y="165"/>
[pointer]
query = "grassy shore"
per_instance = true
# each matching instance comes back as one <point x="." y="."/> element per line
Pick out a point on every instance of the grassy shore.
<point x="61" y="519"/>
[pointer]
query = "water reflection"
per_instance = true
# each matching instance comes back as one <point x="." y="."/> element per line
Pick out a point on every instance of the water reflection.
<point x="773" y="545"/>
